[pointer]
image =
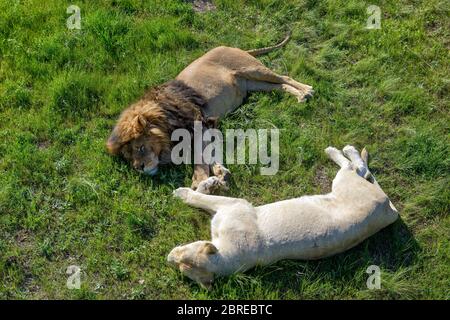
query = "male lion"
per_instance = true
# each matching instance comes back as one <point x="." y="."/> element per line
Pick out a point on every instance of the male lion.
<point x="207" y="89"/>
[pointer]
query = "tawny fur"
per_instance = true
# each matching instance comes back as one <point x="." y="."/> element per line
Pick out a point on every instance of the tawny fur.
<point x="210" y="87"/>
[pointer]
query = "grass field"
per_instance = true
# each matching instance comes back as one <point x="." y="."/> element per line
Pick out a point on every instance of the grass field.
<point x="64" y="201"/>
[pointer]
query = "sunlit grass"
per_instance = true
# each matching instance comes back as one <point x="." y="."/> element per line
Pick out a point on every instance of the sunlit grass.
<point x="64" y="201"/>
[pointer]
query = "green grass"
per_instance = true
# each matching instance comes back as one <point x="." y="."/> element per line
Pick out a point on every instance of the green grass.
<point x="64" y="201"/>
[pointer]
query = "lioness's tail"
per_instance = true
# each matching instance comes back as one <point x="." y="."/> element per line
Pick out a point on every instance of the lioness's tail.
<point x="257" y="52"/>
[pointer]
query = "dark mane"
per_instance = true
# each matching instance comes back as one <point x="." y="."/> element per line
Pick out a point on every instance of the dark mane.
<point x="161" y="110"/>
<point x="181" y="104"/>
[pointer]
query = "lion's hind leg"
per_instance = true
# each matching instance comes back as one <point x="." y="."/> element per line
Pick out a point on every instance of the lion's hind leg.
<point x="253" y="85"/>
<point x="264" y="74"/>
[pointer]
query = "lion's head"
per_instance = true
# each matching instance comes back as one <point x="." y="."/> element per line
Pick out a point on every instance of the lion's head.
<point x="142" y="133"/>
<point x="141" y="136"/>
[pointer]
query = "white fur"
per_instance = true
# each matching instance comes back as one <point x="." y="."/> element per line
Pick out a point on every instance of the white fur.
<point x="309" y="227"/>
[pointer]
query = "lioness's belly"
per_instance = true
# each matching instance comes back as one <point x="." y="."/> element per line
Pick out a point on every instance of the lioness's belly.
<point x="313" y="227"/>
<point x="221" y="89"/>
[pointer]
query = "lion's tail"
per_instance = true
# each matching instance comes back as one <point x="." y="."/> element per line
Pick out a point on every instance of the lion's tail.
<point x="257" y="52"/>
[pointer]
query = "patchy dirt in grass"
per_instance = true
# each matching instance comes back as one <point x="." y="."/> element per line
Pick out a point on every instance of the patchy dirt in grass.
<point x="202" y="5"/>
<point x="322" y="180"/>
<point x="42" y="145"/>
<point x="23" y="239"/>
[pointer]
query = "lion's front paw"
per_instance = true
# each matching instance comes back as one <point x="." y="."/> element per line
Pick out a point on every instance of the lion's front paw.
<point x="211" y="185"/>
<point x="221" y="172"/>
<point x="182" y="193"/>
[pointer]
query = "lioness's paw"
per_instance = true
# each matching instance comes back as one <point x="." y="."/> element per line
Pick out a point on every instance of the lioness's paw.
<point x="331" y="150"/>
<point x="182" y="193"/>
<point x="349" y="150"/>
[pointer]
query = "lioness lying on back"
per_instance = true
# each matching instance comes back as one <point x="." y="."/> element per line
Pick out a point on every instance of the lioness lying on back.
<point x="310" y="227"/>
<point x="210" y="87"/>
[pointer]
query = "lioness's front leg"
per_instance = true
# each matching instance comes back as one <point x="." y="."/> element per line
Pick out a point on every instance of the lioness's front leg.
<point x="206" y="202"/>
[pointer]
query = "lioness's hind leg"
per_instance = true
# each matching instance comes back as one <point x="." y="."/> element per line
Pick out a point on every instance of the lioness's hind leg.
<point x="253" y="85"/>
<point x="337" y="156"/>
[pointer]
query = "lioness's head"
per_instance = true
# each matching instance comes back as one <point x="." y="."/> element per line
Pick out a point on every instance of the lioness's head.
<point x="141" y="137"/>
<point x="194" y="260"/>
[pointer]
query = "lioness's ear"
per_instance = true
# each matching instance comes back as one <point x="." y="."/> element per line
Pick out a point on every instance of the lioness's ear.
<point x="209" y="248"/>
<point x="113" y="144"/>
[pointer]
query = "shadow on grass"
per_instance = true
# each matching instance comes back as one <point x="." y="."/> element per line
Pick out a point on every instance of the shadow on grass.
<point x="168" y="175"/>
<point x="392" y="249"/>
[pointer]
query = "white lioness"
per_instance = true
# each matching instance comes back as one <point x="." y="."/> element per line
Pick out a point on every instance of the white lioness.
<point x="309" y="227"/>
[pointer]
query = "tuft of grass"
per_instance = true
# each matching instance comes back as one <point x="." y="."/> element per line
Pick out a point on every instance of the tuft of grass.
<point x="75" y="93"/>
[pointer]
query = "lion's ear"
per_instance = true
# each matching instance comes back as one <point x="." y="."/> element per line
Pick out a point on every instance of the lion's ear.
<point x="113" y="144"/>
<point x="142" y="121"/>
<point x="139" y="123"/>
